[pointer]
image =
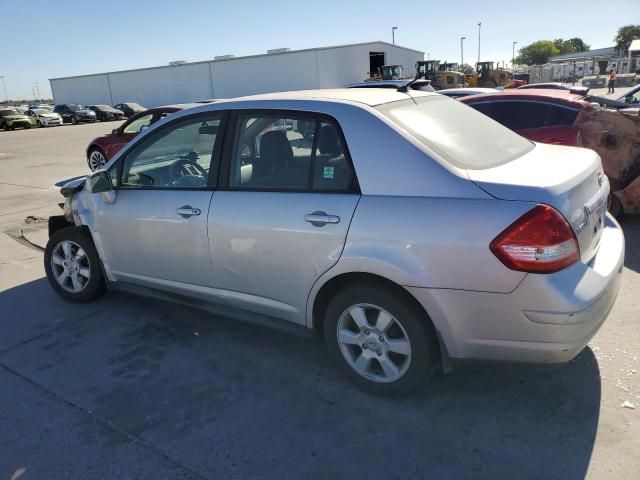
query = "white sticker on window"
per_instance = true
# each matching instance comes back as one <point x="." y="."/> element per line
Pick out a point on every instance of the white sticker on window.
<point x="327" y="172"/>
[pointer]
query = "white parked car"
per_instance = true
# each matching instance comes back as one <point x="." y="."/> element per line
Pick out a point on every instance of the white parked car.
<point x="41" y="117"/>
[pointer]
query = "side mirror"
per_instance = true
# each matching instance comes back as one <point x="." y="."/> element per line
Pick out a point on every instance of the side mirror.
<point x="99" y="181"/>
<point x="115" y="132"/>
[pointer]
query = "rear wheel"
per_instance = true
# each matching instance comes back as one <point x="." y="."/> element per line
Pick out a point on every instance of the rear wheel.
<point x="73" y="266"/>
<point x="382" y="343"/>
<point x="5" y="127"/>
<point x="96" y="159"/>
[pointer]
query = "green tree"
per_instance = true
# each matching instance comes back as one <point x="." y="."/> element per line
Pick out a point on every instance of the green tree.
<point x="466" y="68"/>
<point x="572" y="45"/>
<point x="625" y="36"/>
<point x="537" y="53"/>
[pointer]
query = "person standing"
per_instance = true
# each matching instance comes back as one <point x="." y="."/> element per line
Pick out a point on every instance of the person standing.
<point x="612" y="81"/>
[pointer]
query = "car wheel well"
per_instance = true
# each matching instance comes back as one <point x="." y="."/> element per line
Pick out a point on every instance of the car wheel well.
<point x="339" y="282"/>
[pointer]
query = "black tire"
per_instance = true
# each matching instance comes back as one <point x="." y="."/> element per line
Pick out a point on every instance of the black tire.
<point x="74" y="121"/>
<point x="93" y="150"/>
<point x="39" y="124"/>
<point x="614" y="206"/>
<point x="418" y="328"/>
<point x="96" y="285"/>
<point x="5" y="127"/>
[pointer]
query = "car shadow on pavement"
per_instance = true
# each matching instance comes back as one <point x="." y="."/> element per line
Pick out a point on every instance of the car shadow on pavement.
<point x="231" y="399"/>
<point x="631" y="227"/>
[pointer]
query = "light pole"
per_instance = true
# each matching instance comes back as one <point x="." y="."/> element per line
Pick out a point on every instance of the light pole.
<point x="428" y="55"/>
<point x="513" y="57"/>
<point x="393" y="34"/>
<point x="462" y="50"/>
<point x="5" y="89"/>
<point x="479" y="28"/>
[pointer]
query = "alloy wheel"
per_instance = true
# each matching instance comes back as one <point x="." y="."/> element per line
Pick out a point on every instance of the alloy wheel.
<point x="70" y="266"/>
<point x="374" y="343"/>
<point x="96" y="160"/>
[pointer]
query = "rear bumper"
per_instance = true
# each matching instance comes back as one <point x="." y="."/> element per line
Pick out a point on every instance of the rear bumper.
<point x="546" y="319"/>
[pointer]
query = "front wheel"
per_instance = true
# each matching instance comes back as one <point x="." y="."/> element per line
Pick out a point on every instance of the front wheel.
<point x="74" y="121"/>
<point x="381" y="342"/>
<point x="96" y="159"/>
<point x="72" y="265"/>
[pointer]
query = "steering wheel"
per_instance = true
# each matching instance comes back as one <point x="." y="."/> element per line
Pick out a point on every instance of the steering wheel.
<point x="188" y="173"/>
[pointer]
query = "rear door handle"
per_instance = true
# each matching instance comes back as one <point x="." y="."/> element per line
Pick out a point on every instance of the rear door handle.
<point x="187" y="211"/>
<point x="318" y="219"/>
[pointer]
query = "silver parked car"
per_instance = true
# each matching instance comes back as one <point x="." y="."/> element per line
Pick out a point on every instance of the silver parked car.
<point x="408" y="229"/>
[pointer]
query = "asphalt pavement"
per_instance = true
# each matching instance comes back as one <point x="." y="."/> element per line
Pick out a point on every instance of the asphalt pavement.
<point x="128" y="387"/>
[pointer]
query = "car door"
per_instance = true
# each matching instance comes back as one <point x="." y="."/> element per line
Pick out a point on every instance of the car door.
<point x="280" y="216"/>
<point x="155" y="233"/>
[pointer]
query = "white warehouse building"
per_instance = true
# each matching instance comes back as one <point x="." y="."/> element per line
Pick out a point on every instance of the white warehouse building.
<point x="229" y="76"/>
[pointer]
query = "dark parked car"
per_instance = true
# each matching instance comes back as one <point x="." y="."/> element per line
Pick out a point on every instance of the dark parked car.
<point x="424" y="85"/>
<point x="129" y="108"/>
<point x="74" y="113"/>
<point x="560" y="117"/>
<point x="105" y="113"/>
<point x="101" y="149"/>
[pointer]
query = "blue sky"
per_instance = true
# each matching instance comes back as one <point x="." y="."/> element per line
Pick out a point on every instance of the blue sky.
<point x="42" y="39"/>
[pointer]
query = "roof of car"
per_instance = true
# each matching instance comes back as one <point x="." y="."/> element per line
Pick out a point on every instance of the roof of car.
<point x="561" y="96"/>
<point x="367" y="96"/>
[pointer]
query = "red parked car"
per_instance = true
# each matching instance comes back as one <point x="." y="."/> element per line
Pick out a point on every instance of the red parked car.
<point x="102" y="149"/>
<point x="561" y="117"/>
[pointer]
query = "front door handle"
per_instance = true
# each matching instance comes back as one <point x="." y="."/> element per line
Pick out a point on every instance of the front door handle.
<point x="187" y="211"/>
<point x="319" y="219"/>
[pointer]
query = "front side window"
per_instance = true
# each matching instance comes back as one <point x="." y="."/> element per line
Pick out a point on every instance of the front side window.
<point x="178" y="156"/>
<point x="296" y="153"/>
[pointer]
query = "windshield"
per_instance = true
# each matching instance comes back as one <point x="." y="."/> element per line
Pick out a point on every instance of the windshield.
<point x="76" y="108"/>
<point x="9" y="111"/>
<point x="41" y="111"/>
<point x="457" y="133"/>
<point x="135" y="106"/>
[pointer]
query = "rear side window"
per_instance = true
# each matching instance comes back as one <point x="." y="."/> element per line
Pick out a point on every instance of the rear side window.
<point x="459" y="134"/>
<point x="526" y="114"/>
<point x="288" y="153"/>
<point x="561" y="115"/>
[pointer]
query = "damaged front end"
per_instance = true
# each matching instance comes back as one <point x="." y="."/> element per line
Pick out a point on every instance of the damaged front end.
<point x="615" y="136"/>
<point x="67" y="219"/>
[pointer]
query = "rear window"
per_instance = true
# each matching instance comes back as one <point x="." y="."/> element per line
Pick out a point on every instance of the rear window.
<point x="457" y="133"/>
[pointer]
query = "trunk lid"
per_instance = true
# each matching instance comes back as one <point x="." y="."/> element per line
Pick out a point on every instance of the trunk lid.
<point x="569" y="179"/>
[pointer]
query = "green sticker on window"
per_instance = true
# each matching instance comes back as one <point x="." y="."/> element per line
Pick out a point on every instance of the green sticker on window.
<point x="327" y="172"/>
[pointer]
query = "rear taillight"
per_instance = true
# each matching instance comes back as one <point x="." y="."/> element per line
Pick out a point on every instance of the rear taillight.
<point x="541" y="241"/>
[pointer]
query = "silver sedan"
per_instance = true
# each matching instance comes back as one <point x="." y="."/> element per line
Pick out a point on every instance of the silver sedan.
<point x="407" y="229"/>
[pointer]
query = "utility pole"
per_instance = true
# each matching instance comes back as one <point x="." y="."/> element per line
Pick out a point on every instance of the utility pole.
<point x="393" y="34"/>
<point x="37" y="88"/>
<point x="513" y="57"/>
<point x="462" y="50"/>
<point x="5" y="89"/>
<point x="479" y="29"/>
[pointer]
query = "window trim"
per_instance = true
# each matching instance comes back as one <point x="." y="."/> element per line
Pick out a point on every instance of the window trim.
<point x="217" y="150"/>
<point x="319" y="117"/>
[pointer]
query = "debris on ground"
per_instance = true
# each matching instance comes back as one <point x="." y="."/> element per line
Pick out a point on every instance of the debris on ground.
<point x="628" y="404"/>
<point x="34" y="219"/>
